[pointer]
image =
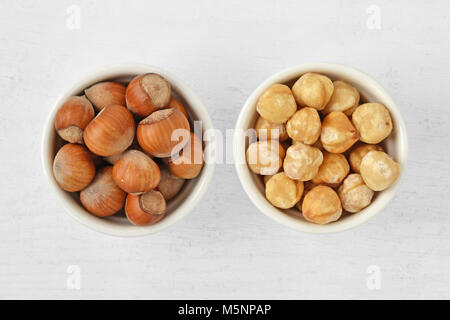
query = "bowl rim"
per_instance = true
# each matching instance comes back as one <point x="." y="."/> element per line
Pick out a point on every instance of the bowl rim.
<point x="246" y="177"/>
<point x="98" y="224"/>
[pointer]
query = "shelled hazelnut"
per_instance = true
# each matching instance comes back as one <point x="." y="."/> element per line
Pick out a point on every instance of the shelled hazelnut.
<point x="378" y="170"/>
<point x="265" y="157"/>
<point x="359" y="152"/>
<point x="345" y="98"/>
<point x="302" y="162"/>
<point x="266" y="130"/>
<point x="112" y="161"/>
<point x="319" y="148"/>
<point x="313" y="90"/>
<point x="321" y="205"/>
<point x="338" y="134"/>
<point x="307" y="186"/>
<point x="333" y="170"/>
<point x="373" y="122"/>
<point x="282" y="191"/>
<point x="276" y="104"/>
<point x="304" y="126"/>
<point x="355" y="195"/>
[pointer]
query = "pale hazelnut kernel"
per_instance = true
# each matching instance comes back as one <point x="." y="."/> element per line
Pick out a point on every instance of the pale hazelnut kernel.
<point x="338" y="134"/>
<point x="359" y="152"/>
<point x="355" y="195"/>
<point x="321" y="205"/>
<point x="266" y="130"/>
<point x="373" y="122"/>
<point x="317" y="144"/>
<point x="333" y="170"/>
<point x="345" y="98"/>
<point x="307" y="186"/>
<point x="282" y="191"/>
<point x="302" y="162"/>
<point x="304" y="126"/>
<point x="313" y="90"/>
<point x="276" y="104"/>
<point x="265" y="157"/>
<point x="378" y="170"/>
<point x="267" y="178"/>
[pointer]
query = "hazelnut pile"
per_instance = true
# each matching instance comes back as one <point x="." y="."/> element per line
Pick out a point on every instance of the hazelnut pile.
<point x="318" y="148"/>
<point x="119" y="150"/>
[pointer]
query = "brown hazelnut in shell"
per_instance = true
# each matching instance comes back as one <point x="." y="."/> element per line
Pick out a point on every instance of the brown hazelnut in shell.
<point x="378" y="170"/>
<point x="163" y="133"/>
<point x="345" y="98"/>
<point x="302" y="162"/>
<point x="72" y="117"/>
<point x="321" y="205"/>
<point x="313" y="90"/>
<point x="73" y="167"/>
<point x="304" y="126"/>
<point x="355" y="195"/>
<point x="189" y="162"/>
<point x="169" y="184"/>
<point x="147" y="93"/>
<point x="359" y="152"/>
<point x="338" y="134"/>
<point x="282" y="191"/>
<point x="111" y="132"/>
<point x="333" y="170"/>
<point x="276" y="104"/>
<point x="103" y="197"/>
<point x="135" y="172"/>
<point x="104" y="94"/>
<point x="373" y="122"/>
<point x="145" y="209"/>
<point x="176" y="104"/>
<point x="265" y="157"/>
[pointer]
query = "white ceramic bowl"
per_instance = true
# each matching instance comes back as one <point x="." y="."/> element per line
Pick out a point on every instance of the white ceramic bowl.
<point x="117" y="224"/>
<point x="396" y="145"/>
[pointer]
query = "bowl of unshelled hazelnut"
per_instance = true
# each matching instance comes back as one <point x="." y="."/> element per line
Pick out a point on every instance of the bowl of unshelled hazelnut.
<point x="123" y="149"/>
<point x="320" y="147"/>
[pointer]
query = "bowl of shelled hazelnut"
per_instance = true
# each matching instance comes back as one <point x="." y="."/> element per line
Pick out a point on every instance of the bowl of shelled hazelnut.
<point x="123" y="148"/>
<point x="320" y="147"/>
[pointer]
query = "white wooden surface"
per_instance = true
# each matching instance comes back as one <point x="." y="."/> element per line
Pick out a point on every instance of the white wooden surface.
<point x="225" y="248"/>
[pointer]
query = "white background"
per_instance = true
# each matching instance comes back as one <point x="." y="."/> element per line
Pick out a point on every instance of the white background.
<point x="225" y="248"/>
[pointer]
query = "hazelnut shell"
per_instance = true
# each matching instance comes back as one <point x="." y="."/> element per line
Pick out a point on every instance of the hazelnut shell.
<point x="104" y="94"/>
<point x="154" y="133"/>
<point x="135" y="172"/>
<point x="73" y="167"/>
<point x="72" y="118"/>
<point x="103" y="197"/>
<point x="111" y="132"/>
<point x="137" y="215"/>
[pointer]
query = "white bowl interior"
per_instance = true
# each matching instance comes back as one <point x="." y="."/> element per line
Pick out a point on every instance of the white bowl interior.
<point x="118" y="224"/>
<point x="396" y="145"/>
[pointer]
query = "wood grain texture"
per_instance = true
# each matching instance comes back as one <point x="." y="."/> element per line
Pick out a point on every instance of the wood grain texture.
<point x="225" y="248"/>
